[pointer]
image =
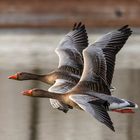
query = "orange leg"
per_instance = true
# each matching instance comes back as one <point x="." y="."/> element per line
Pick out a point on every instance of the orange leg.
<point x="124" y="111"/>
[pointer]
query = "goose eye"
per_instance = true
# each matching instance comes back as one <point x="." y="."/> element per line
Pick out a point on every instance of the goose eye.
<point x="19" y="74"/>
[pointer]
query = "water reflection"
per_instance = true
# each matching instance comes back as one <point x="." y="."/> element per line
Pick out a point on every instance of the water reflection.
<point x="34" y="119"/>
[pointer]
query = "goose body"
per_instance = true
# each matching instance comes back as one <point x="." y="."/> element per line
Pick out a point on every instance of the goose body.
<point x="71" y="62"/>
<point x="70" y="65"/>
<point x="92" y="92"/>
<point x="95" y="103"/>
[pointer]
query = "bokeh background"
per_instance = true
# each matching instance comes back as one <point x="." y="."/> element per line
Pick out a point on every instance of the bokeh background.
<point x="29" y="33"/>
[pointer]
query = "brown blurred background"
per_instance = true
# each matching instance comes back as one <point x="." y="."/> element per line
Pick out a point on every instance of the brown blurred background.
<point x="62" y="13"/>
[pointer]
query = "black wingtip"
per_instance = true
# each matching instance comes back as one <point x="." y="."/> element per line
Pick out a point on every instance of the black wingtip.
<point x="74" y="26"/>
<point x="78" y="25"/>
<point x="113" y="129"/>
<point x="125" y="29"/>
<point x="111" y="126"/>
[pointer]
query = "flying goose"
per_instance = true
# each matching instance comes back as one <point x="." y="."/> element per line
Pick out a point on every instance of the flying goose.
<point x="92" y="93"/>
<point x="116" y="40"/>
<point x="70" y="65"/>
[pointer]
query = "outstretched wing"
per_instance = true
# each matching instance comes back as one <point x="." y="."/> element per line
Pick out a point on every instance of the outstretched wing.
<point x="111" y="44"/>
<point x="89" y="104"/>
<point x="99" y="60"/>
<point x="70" y="62"/>
<point x="94" y="72"/>
<point x="70" y="50"/>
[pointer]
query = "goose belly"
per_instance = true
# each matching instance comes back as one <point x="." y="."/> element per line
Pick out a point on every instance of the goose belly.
<point x="61" y="86"/>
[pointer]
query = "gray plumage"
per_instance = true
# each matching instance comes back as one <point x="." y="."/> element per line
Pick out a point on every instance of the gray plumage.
<point x="95" y="82"/>
<point x="70" y="62"/>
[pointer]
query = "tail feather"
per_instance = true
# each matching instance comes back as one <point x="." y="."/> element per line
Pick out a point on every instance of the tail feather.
<point x="132" y="105"/>
<point x="116" y="103"/>
<point x="124" y="107"/>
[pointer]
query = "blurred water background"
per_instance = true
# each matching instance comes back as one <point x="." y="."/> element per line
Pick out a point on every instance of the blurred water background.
<point x="24" y="118"/>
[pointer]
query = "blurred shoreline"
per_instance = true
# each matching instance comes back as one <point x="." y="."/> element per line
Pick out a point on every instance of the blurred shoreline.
<point x="24" y="48"/>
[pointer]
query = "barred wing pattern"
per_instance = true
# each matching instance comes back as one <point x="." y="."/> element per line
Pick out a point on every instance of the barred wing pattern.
<point x="70" y="50"/>
<point x="70" y="62"/>
<point x="111" y="44"/>
<point x="99" y="60"/>
<point x="94" y="72"/>
<point x="96" y="110"/>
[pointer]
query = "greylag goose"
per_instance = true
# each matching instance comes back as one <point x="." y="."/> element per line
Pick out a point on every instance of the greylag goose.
<point x="70" y="65"/>
<point x="116" y="40"/>
<point x="92" y="93"/>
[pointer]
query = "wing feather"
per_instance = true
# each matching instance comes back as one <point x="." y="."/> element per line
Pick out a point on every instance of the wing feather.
<point x="94" y="64"/>
<point x="94" y="72"/>
<point x="70" y="62"/>
<point x="96" y="110"/>
<point x="71" y="47"/>
<point x="99" y="60"/>
<point x="111" y="44"/>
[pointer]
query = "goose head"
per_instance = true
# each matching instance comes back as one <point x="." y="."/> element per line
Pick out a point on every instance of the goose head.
<point x="24" y="76"/>
<point x="34" y="93"/>
<point x="41" y="93"/>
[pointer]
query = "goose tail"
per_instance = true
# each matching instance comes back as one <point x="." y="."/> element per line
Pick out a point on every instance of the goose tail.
<point x="126" y="107"/>
<point x="117" y="104"/>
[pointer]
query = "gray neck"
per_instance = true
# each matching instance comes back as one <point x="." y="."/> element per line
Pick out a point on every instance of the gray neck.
<point x="49" y="78"/>
<point x="42" y="78"/>
<point x="47" y="94"/>
<point x="33" y="76"/>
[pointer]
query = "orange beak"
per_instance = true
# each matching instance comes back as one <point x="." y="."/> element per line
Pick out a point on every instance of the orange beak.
<point x="27" y="92"/>
<point x="13" y="77"/>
